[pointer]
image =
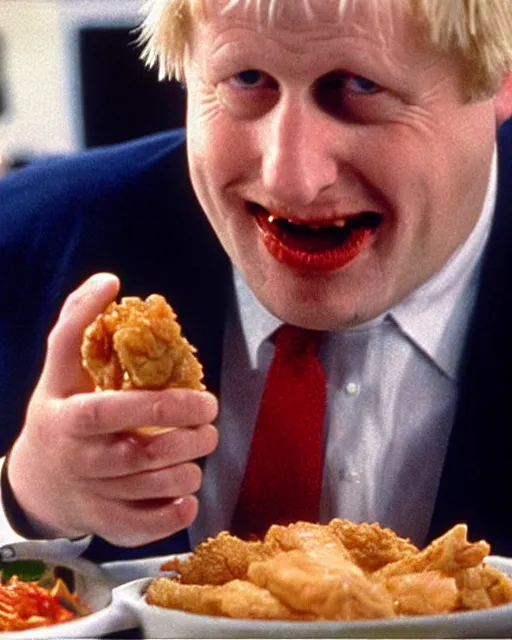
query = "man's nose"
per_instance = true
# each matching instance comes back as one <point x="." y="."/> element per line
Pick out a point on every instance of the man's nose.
<point x="297" y="147"/>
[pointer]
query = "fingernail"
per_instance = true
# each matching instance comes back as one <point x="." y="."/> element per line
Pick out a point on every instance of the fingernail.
<point x="98" y="280"/>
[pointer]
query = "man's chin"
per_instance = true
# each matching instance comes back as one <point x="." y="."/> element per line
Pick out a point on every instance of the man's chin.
<point x="314" y="315"/>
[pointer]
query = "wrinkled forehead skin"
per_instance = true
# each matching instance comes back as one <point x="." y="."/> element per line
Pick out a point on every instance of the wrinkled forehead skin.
<point x="290" y="13"/>
<point x="372" y="21"/>
<point x="376" y="20"/>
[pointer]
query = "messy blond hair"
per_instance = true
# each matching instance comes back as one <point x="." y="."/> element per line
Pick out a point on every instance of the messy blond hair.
<point x="479" y="31"/>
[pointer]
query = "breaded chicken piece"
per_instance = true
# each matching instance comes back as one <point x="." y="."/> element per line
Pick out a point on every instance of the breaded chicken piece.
<point x="226" y="557"/>
<point x="305" y="536"/>
<point x="217" y="560"/>
<point x="497" y="584"/>
<point x="235" y="599"/>
<point x="370" y="545"/>
<point x="471" y="588"/>
<point x="324" y="583"/>
<point x="482" y="587"/>
<point x="423" y="594"/>
<point x="137" y="344"/>
<point x="449" y="553"/>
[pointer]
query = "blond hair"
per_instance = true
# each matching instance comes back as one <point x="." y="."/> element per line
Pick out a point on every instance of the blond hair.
<point x="479" y="31"/>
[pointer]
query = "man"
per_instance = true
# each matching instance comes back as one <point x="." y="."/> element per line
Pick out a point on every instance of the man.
<point x="344" y="154"/>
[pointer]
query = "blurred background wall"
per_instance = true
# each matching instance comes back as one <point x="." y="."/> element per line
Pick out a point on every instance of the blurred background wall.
<point x="70" y="78"/>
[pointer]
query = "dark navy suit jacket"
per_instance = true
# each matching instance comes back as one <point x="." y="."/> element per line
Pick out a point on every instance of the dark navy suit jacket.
<point x="130" y="209"/>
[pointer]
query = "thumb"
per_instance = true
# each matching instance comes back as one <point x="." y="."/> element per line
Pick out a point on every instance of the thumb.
<point x="63" y="374"/>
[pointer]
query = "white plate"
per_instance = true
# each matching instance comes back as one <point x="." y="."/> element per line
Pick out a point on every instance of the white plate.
<point x="157" y="622"/>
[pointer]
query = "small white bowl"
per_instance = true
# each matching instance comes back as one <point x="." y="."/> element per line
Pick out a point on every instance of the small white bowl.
<point x="94" y="588"/>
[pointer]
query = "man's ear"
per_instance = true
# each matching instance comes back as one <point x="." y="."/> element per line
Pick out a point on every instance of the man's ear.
<point x="503" y="99"/>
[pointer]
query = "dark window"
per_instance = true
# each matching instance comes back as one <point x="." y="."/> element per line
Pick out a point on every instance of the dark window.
<point x="121" y="98"/>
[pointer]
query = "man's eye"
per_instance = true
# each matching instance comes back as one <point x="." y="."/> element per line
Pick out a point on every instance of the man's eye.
<point x="350" y="96"/>
<point x="360" y="84"/>
<point x="249" y="93"/>
<point x="351" y="84"/>
<point x="251" y="79"/>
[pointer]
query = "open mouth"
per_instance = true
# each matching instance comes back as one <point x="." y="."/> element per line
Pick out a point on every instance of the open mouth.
<point x="323" y="245"/>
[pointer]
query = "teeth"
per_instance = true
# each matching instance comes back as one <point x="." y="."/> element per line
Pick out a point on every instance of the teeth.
<point x="337" y="223"/>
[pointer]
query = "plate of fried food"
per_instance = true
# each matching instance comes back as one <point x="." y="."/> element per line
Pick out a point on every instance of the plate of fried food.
<point x="341" y="580"/>
<point x="44" y="597"/>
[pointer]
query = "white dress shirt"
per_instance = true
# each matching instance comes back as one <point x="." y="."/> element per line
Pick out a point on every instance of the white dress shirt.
<point x="392" y="389"/>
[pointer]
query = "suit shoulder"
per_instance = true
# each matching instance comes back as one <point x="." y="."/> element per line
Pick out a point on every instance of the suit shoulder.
<point x="89" y="183"/>
<point x="110" y="165"/>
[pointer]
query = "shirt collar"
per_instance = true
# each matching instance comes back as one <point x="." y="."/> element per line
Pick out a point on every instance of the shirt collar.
<point x="256" y="322"/>
<point x="434" y="317"/>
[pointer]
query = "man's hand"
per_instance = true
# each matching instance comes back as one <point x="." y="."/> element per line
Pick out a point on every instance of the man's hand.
<point x="76" y="467"/>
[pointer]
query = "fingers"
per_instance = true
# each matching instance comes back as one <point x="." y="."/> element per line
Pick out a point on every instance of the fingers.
<point x="93" y="414"/>
<point x="141" y="522"/>
<point x="127" y="454"/>
<point x="171" y="482"/>
<point x="85" y="482"/>
<point x="63" y="373"/>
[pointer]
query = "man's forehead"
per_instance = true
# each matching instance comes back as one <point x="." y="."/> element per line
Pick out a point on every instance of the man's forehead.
<point x="381" y="21"/>
<point x="285" y="12"/>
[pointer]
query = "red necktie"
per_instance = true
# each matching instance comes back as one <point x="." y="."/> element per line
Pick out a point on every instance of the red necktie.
<point x="283" y="477"/>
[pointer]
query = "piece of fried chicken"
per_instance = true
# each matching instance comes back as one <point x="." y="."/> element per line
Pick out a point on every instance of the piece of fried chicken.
<point x="137" y="344"/>
<point x="448" y="554"/>
<point x="370" y="545"/>
<point x="217" y="560"/>
<point x="304" y="536"/>
<point x="235" y="599"/>
<point x="323" y="582"/>
<point x="423" y="594"/>
<point x="226" y="557"/>
<point x="482" y="587"/>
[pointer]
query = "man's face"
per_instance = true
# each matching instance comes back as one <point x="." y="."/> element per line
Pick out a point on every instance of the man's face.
<point x="333" y="155"/>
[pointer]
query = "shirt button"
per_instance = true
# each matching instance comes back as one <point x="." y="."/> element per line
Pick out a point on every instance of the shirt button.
<point x="353" y="476"/>
<point x="349" y="476"/>
<point x="351" y="388"/>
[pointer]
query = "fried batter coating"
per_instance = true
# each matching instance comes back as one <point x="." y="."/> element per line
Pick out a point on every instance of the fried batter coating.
<point x="235" y="599"/>
<point x="137" y="344"/>
<point x="323" y="582"/>
<point x="497" y="584"/>
<point x="423" y="594"/>
<point x="305" y="536"/>
<point x="226" y="557"/>
<point x="482" y="587"/>
<point x="218" y="560"/>
<point x="370" y="545"/>
<point x="448" y="554"/>
<point x="471" y="589"/>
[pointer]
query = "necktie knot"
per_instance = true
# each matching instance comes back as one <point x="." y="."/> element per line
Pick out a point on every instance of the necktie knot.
<point x="291" y="340"/>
